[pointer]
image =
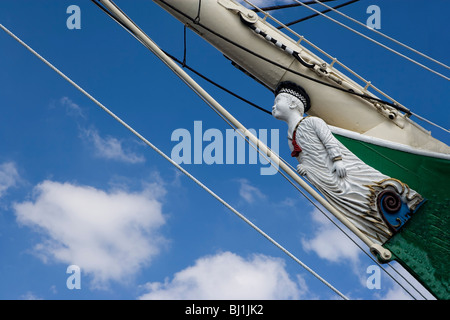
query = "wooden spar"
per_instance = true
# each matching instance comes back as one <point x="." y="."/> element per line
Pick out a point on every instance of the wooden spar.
<point x="219" y="22"/>
<point x="376" y="249"/>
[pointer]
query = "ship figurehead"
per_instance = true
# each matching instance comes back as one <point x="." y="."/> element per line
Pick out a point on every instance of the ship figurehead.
<point x="378" y="205"/>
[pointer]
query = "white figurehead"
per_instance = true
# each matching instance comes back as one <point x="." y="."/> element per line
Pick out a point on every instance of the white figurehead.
<point x="350" y="185"/>
<point x="291" y="102"/>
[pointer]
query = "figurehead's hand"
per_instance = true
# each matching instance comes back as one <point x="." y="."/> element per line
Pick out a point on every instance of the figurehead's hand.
<point x="339" y="168"/>
<point x="301" y="170"/>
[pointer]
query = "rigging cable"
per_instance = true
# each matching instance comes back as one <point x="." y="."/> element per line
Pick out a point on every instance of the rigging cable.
<point x="400" y="108"/>
<point x="184" y="65"/>
<point x="394" y="105"/>
<point x="314" y="14"/>
<point x="364" y="96"/>
<point x="148" y="143"/>
<point x="295" y="185"/>
<point x="285" y="6"/>
<point x="279" y="171"/>
<point x="259" y="151"/>
<point x="351" y="239"/>
<point x="277" y="168"/>
<point x="291" y="182"/>
<point x="382" y="34"/>
<point x="374" y="41"/>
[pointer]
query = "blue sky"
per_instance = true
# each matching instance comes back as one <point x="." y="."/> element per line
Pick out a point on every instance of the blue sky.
<point x="76" y="188"/>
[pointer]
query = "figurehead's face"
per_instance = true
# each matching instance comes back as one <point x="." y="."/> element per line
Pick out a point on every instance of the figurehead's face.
<point x="285" y="106"/>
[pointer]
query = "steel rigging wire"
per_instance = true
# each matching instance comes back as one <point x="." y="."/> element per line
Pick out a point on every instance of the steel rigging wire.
<point x="313" y="15"/>
<point x="183" y="63"/>
<point x="148" y="143"/>
<point x="380" y="33"/>
<point x="372" y="40"/>
<point x="393" y="105"/>
<point x="291" y="5"/>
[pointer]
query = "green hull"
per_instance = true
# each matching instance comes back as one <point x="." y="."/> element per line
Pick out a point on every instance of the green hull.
<point x="422" y="245"/>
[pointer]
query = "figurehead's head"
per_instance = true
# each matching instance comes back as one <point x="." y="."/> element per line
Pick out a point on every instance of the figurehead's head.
<point x="296" y="91"/>
<point x="289" y="97"/>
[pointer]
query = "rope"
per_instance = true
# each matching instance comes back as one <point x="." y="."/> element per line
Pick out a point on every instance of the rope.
<point x="148" y="143"/>
<point x="197" y="19"/>
<point x="375" y="41"/>
<point x="184" y="65"/>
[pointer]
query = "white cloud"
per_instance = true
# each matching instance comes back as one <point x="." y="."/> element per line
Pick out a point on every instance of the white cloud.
<point x="30" y="296"/>
<point x="72" y="108"/>
<point x="110" y="236"/>
<point x="110" y="148"/>
<point x="8" y="176"/>
<point x="397" y="293"/>
<point x="229" y="276"/>
<point x="248" y="192"/>
<point x="329" y="242"/>
<point x="107" y="148"/>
